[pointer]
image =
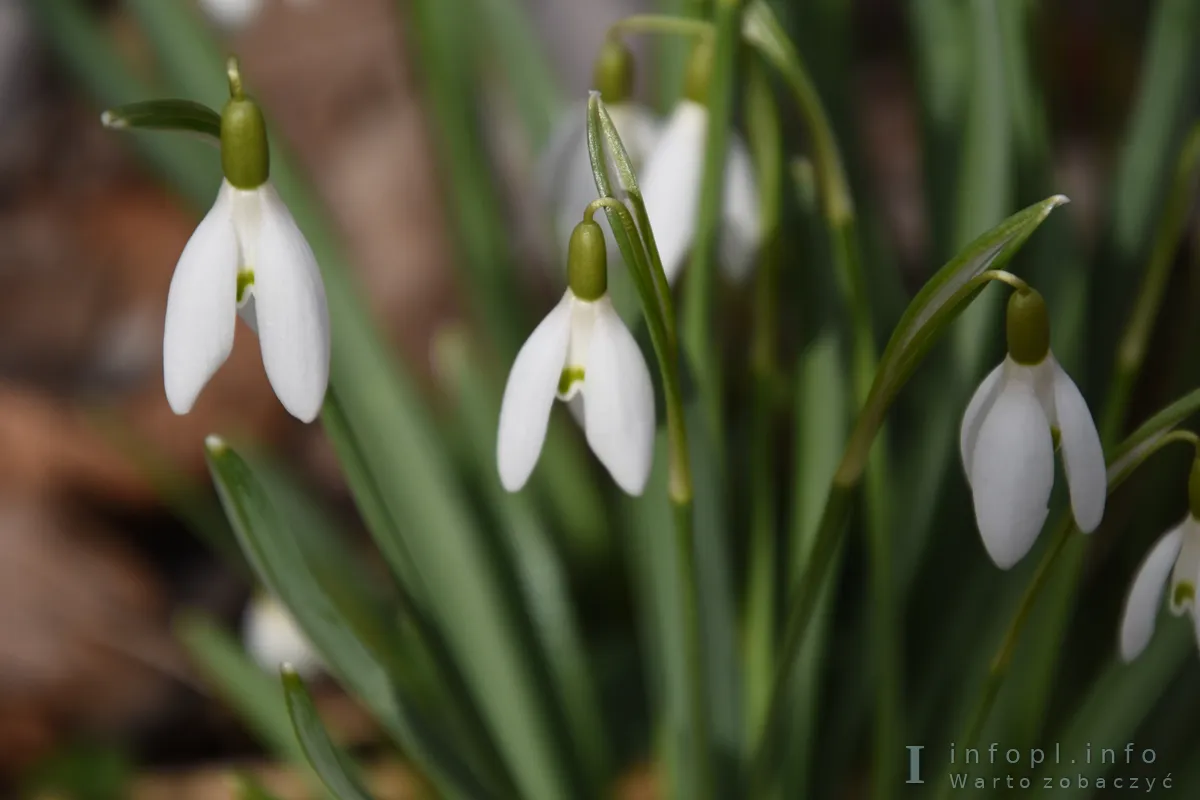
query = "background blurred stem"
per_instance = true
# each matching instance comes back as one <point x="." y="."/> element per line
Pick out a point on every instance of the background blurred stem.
<point x="762" y="122"/>
<point x="698" y="335"/>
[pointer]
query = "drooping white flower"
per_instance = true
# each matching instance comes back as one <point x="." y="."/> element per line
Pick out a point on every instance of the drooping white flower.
<point x="247" y="256"/>
<point x="1175" y="561"/>
<point x="236" y="14"/>
<point x="1007" y="442"/>
<point x="671" y="188"/>
<point x="581" y="351"/>
<point x="272" y="638"/>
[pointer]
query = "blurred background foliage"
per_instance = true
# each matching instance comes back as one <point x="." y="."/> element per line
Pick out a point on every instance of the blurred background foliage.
<point x="408" y="136"/>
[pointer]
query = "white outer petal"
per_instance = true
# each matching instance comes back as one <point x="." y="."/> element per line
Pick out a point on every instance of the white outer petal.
<point x="529" y="395"/>
<point x="1012" y="473"/>
<point x="671" y="184"/>
<point x="1187" y="567"/>
<point x="1146" y="594"/>
<point x="619" y="401"/>
<point x="272" y="637"/>
<point x="977" y="410"/>
<point x="291" y="312"/>
<point x="741" y="231"/>
<point x="201" y="306"/>
<point x="1082" y="455"/>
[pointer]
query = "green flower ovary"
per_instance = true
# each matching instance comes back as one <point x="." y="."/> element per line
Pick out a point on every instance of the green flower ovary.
<point x="568" y="378"/>
<point x="1184" y="592"/>
<point x="245" y="279"/>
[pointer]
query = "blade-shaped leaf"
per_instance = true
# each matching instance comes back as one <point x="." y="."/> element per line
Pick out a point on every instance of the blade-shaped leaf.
<point x="321" y="753"/>
<point x="165" y="115"/>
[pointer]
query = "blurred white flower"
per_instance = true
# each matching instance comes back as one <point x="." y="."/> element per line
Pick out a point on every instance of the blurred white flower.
<point x="272" y="639"/>
<point x="248" y="257"/>
<point x="1174" y="560"/>
<point x="235" y="14"/>
<point x="671" y="187"/>
<point x="581" y="350"/>
<point x="566" y="168"/>
<point x="1007" y="448"/>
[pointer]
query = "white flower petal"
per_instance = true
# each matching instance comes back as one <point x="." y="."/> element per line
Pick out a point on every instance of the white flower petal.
<point x="272" y="637"/>
<point x="619" y="401"/>
<point x="1145" y="595"/>
<point x="1083" y="458"/>
<point x="1187" y="567"/>
<point x="741" y="231"/>
<point x="671" y="183"/>
<point x="977" y="409"/>
<point x="201" y="306"/>
<point x="293" y="318"/>
<point x="1012" y="473"/>
<point x="529" y="394"/>
<point x="232" y="14"/>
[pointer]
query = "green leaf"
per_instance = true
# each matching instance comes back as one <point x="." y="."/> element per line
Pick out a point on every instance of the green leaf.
<point x="515" y="45"/>
<point x="165" y="115"/>
<point x="247" y="788"/>
<point x="324" y="758"/>
<point x="540" y="576"/>
<point x="943" y="295"/>
<point x="352" y="635"/>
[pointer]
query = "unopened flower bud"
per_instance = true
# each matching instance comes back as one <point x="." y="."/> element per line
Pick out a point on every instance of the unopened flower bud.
<point x="613" y="73"/>
<point x="699" y="72"/>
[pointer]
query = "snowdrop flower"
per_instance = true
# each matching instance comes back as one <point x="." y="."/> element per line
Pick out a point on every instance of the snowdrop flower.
<point x="272" y="638"/>
<point x="247" y="257"/>
<point x="1008" y="439"/>
<point x="671" y="183"/>
<point x="1175" y="561"/>
<point x="566" y="167"/>
<point x="580" y="351"/>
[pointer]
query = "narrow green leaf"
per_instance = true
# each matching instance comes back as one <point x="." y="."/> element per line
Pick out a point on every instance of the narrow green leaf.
<point x="321" y="753"/>
<point x="1167" y="90"/>
<point x="165" y="115"/>
<point x="357" y="642"/>
<point x="939" y="300"/>
<point x="516" y="46"/>
<point x="821" y="420"/>
<point x="246" y="788"/>
<point x="986" y="174"/>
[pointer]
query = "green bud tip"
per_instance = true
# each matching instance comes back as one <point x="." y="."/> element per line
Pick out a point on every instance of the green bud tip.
<point x="1194" y="488"/>
<point x="613" y="72"/>
<point x="1028" y="327"/>
<point x="699" y="72"/>
<point x="587" y="262"/>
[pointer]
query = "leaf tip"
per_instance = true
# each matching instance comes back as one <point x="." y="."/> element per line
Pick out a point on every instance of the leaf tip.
<point x="1058" y="200"/>
<point x="215" y="445"/>
<point x="110" y="119"/>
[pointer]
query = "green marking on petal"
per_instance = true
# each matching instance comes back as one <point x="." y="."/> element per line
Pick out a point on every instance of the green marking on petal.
<point x="569" y="376"/>
<point x="245" y="280"/>
<point x="1184" y="592"/>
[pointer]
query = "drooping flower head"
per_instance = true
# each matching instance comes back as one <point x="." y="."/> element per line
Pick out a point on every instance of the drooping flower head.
<point x="566" y="167"/>
<point x="1173" y="562"/>
<point x="674" y="171"/>
<point x="581" y="352"/>
<point x="247" y="257"/>
<point x="1008" y="439"/>
<point x="272" y="638"/>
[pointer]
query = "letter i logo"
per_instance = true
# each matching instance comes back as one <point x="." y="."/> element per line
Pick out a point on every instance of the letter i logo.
<point x="914" y="763"/>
